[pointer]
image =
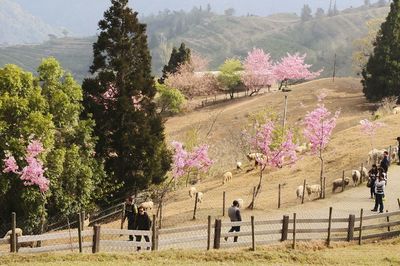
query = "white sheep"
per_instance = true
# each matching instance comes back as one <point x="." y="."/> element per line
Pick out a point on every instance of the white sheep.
<point x="313" y="189"/>
<point x="395" y="155"/>
<point x="18" y="233"/>
<point x="364" y="173"/>
<point x="226" y="177"/>
<point x="199" y="197"/>
<point x="396" y="110"/>
<point x="147" y="205"/>
<point x="339" y="182"/>
<point x="356" y="176"/>
<point x="256" y="157"/>
<point x="192" y="191"/>
<point x="238" y="165"/>
<point x="299" y="192"/>
<point x="375" y="156"/>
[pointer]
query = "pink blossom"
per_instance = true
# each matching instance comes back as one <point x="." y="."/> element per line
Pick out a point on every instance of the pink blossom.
<point x="136" y="102"/>
<point x="258" y="70"/>
<point x="10" y="165"/>
<point x="34" y="148"/>
<point x="369" y="128"/>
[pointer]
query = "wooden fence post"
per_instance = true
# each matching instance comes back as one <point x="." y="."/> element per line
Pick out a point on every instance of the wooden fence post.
<point x="254" y="198"/>
<point x="343" y="182"/>
<point x="208" y="232"/>
<point x="96" y="239"/>
<point x="195" y="205"/>
<point x="387" y="220"/>
<point x="160" y="218"/>
<point x="80" y="232"/>
<point x="328" y="241"/>
<point x="223" y="203"/>
<point x="350" y="228"/>
<point x="13" y="236"/>
<point x="360" y="232"/>
<point x="279" y="196"/>
<point x="304" y="191"/>
<point x="294" y="231"/>
<point x="398" y="202"/>
<point x="285" y="228"/>
<point x="253" y="237"/>
<point x="154" y="234"/>
<point x="217" y="234"/>
<point x="123" y="215"/>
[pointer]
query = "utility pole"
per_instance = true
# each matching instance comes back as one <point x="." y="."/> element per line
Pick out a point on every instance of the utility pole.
<point x="334" y="70"/>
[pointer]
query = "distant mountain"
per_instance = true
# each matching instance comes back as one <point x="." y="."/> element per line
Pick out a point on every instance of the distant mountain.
<point x="81" y="16"/>
<point x="218" y="37"/>
<point x="20" y="27"/>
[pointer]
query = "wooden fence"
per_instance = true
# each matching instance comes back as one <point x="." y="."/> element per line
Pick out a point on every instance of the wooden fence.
<point x="214" y="234"/>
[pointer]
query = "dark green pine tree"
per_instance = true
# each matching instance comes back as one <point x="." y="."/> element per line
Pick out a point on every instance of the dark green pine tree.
<point x="120" y="99"/>
<point x="178" y="57"/>
<point x="381" y="75"/>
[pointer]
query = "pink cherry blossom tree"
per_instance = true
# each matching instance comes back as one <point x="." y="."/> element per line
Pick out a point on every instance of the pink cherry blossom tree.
<point x="318" y="128"/>
<point x="275" y="152"/>
<point x="293" y="68"/>
<point x="33" y="172"/>
<point x="369" y="129"/>
<point x="258" y="71"/>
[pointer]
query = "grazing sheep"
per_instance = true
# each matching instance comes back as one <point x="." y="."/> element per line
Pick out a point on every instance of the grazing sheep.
<point x="18" y="232"/>
<point x="299" y="192"/>
<point x="356" y="176"/>
<point x="199" y="197"/>
<point x="396" y="110"/>
<point x="302" y="148"/>
<point x="375" y="156"/>
<point x="395" y="155"/>
<point x="238" y="165"/>
<point x="192" y="191"/>
<point x="364" y="173"/>
<point x="255" y="156"/>
<point x="339" y="182"/>
<point x="241" y="202"/>
<point x="227" y="177"/>
<point x="147" y="205"/>
<point x="313" y="189"/>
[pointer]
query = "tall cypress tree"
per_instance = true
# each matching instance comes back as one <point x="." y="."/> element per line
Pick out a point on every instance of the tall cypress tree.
<point x="120" y="98"/>
<point x="381" y="75"/>
<point x="178" y="57"/>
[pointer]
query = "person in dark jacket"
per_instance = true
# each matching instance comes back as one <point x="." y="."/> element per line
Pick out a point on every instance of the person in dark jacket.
<point x="372" y="175"/>
<point x="130" y="214"/>
<point x="385" y="162"/>
<point x="234" y="215"/>
<point x="142" y="222"/>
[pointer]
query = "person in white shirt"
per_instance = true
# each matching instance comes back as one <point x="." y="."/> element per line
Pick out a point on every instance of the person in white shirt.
<point x="379" y="193"/>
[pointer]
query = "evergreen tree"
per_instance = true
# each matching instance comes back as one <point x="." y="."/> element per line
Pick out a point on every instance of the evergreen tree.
<point x="178" y="57"/>
<point x="306" y="13"/>
<point x="120" y="98"/>
<point x="381" y="75"/>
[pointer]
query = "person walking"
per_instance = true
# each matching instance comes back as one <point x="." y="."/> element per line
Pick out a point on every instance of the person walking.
<point x="379" y="193"/>
<point x="234" y="215"/>
<point x="372" y="176"/>
<point x="130" y="214"/>
<point x="142" y="222"/>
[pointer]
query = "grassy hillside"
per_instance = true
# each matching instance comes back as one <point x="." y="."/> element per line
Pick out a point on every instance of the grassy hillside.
<point x="220" y="37"/>
<point x="306" y="254"/>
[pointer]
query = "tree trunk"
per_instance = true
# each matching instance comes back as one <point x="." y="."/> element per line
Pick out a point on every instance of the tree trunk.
<point x="322" y="195"/>
<point x="258" y="189"/>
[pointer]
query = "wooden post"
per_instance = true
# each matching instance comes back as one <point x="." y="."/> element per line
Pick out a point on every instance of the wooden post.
<point x="253" y="238"/>
<point x="334" y="70"/>
<point x="217" y="234"/>
<point x="350" y="228"/>
<point x="209" y="232"/>
<point x="223" y="203"/>
<point x="254" y="198"/>
<point x="80" y="232"/>
<point x="328" y="241"/>
<point x="294" y="231"/>
<point x="123" y="215"/>
<point x="161" y="212"/>
<point x="279" y="196"/>
<point x="195" y="205"/>
<point x="82" y="219"/>
<point x="13" y="236"/>
<point x="360" y="232"/>
<point x="285" y="228"/>
<point x="343" y="181"/>
<point x="390" y="154"/>
<point x="304" y="191"/>
<point x="387" y="220"/>
<point x="154" y="234"/>
<point x="323" y="189"/>
<point x="96" y="239"/>
<point x="285" y="113"/>
<point x="398" y="202"/>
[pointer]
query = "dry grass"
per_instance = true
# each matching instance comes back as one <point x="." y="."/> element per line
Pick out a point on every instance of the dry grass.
<point x="315" y="253"/>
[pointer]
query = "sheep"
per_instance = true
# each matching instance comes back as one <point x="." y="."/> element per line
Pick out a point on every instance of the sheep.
<point x="364" y="173"/>
<point x="339" y="182"/>
<point x="395" y="155"/>
<point x="356" y="176"/>
<point x="302" y="148"/>
<point x="256" y="157"/>
<point x="147" y="205"/>
<point x="86" y="222"/>
<point x="226" y="177"/>
<point x="299" y="192"/>
<point x="192" y="191"/>
<point x="396" y="110"/>
<point x="375" y="156"/>
<point x="199" y="197"/>
<point x="313" y="189"/>
<point x="238" y="165"/>
<point x="18" y="233"/>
